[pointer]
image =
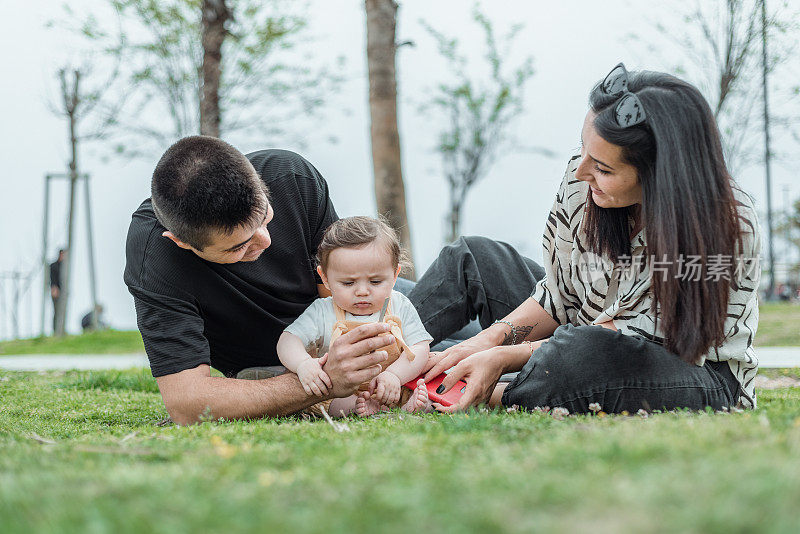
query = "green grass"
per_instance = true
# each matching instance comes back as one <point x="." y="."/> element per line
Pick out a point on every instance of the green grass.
<point x="102" y="342"/>
<point x="778" y="325"/>
<point x="112" y="469"/>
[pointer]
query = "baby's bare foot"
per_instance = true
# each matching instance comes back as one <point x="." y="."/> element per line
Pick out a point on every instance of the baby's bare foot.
<point x="361" y="405"/>
<point x="366" y="406"/>
<point x="419" y="399"/>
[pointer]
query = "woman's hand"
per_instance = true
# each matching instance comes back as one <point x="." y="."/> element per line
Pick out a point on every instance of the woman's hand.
<point x="480" y="371"/>
<point x="439" y="362"/>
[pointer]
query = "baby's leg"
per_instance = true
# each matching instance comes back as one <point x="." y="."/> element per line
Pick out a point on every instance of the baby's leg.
<point x="342" y="407"/>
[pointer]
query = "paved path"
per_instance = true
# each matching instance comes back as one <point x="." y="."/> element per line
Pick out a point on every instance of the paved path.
<point x="53" y="362"/>
<point x="776" y="356"/>
<point x="768" y="356"/>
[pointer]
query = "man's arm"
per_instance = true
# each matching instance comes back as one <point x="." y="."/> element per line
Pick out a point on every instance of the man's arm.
<point x="193" y="395"/>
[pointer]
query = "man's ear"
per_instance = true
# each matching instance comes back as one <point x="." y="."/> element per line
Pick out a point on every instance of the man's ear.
<point x="324" y="278"/>
<point x="175" y="240"/>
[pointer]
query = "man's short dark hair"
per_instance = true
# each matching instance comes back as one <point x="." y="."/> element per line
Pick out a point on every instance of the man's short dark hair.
<point x="202" y="184"/>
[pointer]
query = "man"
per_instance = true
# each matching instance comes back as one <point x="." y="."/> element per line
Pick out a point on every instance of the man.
<point x="55" y="284"/>
<point x="219" y="261"/>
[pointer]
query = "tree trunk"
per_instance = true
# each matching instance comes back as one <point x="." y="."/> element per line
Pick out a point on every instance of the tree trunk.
<point x="389" y="189"/>
<point x="215" y="14"/>
<point x="454" y="222"/>
<point x="71" y="103"/>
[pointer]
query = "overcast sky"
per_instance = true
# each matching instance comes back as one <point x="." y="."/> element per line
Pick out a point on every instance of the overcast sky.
<point x="574" y="44"/>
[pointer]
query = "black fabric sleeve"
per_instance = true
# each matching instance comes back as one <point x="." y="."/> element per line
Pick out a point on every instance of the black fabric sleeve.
<point x="172" y="330"/>
<point x="325" y="215"/>
<point x="320" y="217"/>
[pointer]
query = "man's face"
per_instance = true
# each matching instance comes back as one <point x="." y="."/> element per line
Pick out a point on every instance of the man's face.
<point x="243" y="244"/>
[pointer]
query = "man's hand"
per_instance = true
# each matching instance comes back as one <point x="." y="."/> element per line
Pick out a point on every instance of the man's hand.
<point x="386" y="388"/>
<point x="313" y="378"/>
<point x="354" y="357"/>
<point x="54" y="292"/>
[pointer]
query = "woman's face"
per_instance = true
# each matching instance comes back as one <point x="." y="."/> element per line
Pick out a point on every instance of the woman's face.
<point x="613" y="182"/>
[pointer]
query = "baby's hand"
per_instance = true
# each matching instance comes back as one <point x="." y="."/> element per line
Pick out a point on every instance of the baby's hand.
<point x="313" y="379"/>
<point x="387" y="388"/>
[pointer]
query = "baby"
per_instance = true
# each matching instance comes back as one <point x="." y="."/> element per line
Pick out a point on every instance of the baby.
<point x="359" y="261"/>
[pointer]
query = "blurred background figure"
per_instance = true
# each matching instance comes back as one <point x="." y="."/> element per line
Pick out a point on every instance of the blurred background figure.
<point x="784" y="292"/>
<point x="55" y="283"/>
<point x="88" y="319"/>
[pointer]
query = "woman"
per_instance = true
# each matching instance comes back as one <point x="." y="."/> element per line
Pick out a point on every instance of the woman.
<point x="648" y="299"/>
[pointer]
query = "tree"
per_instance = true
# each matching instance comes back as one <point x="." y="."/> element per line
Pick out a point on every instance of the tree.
<point x="72" y="102"/>
<point x="477" y="112"/>
<point x="388" y="175"/>
<point x="215" y="14"/>
<point x="79" y="100"/>
<point x="719" y="49"/>
<point x="210" y="66"/>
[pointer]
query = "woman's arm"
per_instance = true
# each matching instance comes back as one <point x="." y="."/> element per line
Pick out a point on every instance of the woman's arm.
<point x="481" y="371"/>
<point x="530" y="322"/>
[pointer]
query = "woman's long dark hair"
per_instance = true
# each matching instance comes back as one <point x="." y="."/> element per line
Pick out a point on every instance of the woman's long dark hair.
<point x="688" y="208"/>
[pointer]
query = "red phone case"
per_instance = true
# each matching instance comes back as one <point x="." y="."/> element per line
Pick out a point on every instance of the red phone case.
<point x="447" y="399"/>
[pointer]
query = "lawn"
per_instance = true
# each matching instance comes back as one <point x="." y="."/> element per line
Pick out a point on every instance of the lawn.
<point x="778" y="325"/>
<point x="102" y="342"/>
<point x="82" y="452"/>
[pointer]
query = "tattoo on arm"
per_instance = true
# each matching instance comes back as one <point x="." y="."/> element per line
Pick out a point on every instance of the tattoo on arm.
<point x="509" y="337"/>
<point x="523" y="332"/>
<point x="518" y="334"/>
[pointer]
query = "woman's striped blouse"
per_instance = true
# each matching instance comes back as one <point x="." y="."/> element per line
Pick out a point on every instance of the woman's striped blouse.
<point x="582" y="289"/>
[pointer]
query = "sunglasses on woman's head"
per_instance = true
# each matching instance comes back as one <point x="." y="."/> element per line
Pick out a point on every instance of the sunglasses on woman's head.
<point x="629" y="110"/>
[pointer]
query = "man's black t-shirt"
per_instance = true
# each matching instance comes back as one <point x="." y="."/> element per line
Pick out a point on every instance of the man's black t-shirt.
<point x="192" y="312"/>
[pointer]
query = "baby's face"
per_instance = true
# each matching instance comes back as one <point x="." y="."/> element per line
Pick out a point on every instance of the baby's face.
<point x="360" y="279"/>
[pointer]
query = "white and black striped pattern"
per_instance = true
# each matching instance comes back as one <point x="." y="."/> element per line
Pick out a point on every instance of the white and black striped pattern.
<point x="572" y="294"/>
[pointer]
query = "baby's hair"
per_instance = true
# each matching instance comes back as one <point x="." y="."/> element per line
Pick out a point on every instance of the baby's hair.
<point x="356" y="232"/>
